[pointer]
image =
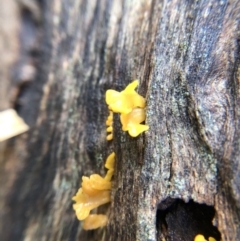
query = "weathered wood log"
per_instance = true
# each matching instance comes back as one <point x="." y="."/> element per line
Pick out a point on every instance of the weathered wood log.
<point x="177" y="180"/>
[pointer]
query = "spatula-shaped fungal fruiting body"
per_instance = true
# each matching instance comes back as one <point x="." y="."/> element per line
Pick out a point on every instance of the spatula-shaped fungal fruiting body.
<point x="131" y="107"/>
<point x="95" y="191"/>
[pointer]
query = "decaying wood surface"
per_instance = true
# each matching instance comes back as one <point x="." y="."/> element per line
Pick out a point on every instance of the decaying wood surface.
<point x="180" y="178"/>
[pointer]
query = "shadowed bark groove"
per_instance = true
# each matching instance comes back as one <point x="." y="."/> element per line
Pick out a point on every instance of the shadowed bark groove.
<point x="179" y="178"/>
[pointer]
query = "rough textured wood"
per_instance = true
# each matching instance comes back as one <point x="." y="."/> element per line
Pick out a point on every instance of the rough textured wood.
<point x="170" y="183"/>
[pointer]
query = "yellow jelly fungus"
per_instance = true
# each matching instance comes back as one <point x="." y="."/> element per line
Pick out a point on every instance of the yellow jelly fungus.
<point x="95" y="191"/>
<point x="85" y="203"/>
<point x="136" y="129"/>
<point x="131" y="106"/>
<point x="131" y="122"/>
<point x="88" y="188"/>
<point x="94" y="184"/>
<point x="211" y="239"/>
<point x="109" y="137"/>
<point x="200" y="237"/>
<point x="110" y="129"/>
<point x="110" y="161"/>
<point x="110" y="166"/>
<point x="109" y="123"/>
<point x="109" y="175"/>
<point x="123" y="102"/>
<point x="100" y="183"/>
<point x="94" y="221"/>
<point x="136" y="116"/>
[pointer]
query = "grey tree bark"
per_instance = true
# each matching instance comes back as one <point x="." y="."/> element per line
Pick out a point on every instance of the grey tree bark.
<point x="177" y="180"/>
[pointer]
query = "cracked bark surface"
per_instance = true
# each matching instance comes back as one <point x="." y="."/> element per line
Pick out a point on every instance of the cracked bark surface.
<point x="170" y="183"/>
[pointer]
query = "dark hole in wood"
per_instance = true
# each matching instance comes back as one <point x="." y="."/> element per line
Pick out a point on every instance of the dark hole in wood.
<point x="177" y="220"/>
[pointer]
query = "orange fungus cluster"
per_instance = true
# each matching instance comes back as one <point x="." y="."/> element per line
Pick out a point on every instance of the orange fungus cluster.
<point x="131" y="107"/>
<point x="200" y="237"/>
<point x="95" y="191"/>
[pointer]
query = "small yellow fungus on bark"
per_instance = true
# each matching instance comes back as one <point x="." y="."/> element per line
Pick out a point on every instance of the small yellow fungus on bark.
<point x="131" y="122"/>
<point x="88" y="188"/>
<point x="131" y="106"/>
<point x="211" y="239"/>
<point x="110" y="161"/>
<point x="94" y="221"/>
<point x="85" y="203"/>
<point x="95" y="191"/>
<point x="109" y="137"/>
<point x="110" y="129"/>
<point x="110" y="166"/>
<point x="99" y="182"/>
<point x="109" y="123"/>
<point x="123" y="102"/>
<point x="136" y="129"/>
<point x="200" y="237"/>
<point x="109" y="175"/>
<point x="95" y="182"/>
